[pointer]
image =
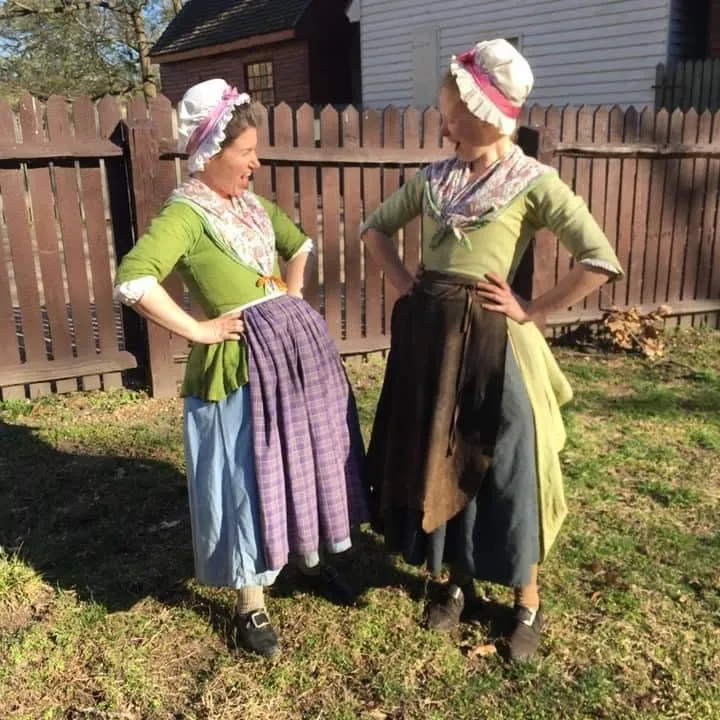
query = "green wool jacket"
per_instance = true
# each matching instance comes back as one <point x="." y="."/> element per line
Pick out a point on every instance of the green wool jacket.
<point x="180" y="239"/>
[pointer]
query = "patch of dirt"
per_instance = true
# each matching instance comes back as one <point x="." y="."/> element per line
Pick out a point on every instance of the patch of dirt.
<point x="15" y="618"/>
<point x="149" y="411"/>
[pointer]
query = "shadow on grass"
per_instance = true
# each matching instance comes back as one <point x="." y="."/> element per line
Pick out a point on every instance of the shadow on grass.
<point x="366" y="565"/>
<point x="116" y="529"/>
<point x="497" y="618"/>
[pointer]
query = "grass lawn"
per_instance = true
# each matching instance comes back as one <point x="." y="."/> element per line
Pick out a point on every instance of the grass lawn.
<point x="99" y="616"/>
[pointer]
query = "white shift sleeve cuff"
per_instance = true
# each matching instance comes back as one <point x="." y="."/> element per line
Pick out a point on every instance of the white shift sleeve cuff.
<point x="602" y="264"/>
<point x="308" y="247"/>
<point x="131" y="291"/>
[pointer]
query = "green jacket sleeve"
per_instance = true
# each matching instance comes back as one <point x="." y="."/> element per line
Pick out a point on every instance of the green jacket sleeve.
<point x="560" y="210"/>
<point x="399" y="209"/>
<point x="289" y="238"/>
<point x="171" y="236"/>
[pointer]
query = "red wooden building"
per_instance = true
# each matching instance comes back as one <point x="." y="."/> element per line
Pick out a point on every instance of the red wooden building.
<point x="291" y="51"/>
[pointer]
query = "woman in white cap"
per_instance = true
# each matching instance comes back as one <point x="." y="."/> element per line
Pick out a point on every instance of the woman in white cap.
<point x="463" y="460"/>
<point x="272" y="440"/>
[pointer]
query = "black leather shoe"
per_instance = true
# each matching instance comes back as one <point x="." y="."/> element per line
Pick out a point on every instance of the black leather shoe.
<point x="525" y="638"/>
<point x="328" y="583"/>
<point x="444" y="615"/>
<point x="256" y="634"/>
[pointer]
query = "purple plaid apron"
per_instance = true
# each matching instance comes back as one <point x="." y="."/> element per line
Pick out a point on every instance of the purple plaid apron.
<point x="306" y="435"/>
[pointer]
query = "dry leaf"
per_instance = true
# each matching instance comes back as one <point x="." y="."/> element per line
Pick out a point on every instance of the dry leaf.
<point x="482" y="650"/>
<point x="377" y="715"/>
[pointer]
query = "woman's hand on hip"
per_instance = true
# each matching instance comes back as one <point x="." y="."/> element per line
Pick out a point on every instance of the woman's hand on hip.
<point x="499" y="297"/>
<point x="219" y="329"/>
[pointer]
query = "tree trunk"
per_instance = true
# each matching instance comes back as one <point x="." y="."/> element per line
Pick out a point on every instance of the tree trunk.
<point x="143" y="48"/>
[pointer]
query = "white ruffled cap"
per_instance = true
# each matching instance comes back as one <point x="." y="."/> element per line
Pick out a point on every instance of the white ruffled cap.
<point x="197" y="104"/>
<point x="509" y="73"/>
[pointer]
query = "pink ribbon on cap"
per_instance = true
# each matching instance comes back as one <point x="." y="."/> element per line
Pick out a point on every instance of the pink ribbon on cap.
<point x="201" y="132"/>
<point x="485" y="83"/>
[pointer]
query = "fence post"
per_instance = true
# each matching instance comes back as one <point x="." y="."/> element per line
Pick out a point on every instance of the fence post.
<point x="529" y="141"/>
<point x="144" y="168"/>
<point x="540" y="143"/>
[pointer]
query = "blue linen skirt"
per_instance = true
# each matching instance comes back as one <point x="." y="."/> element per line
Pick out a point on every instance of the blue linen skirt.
<point x="223" y="495"/>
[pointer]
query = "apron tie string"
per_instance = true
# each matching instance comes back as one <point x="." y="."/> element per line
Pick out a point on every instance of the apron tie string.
<point x="279" y="283"/>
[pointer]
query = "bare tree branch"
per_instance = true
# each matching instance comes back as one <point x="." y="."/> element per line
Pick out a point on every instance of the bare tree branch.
<point x="16" y="9"/>
<point x="118" y="26"/>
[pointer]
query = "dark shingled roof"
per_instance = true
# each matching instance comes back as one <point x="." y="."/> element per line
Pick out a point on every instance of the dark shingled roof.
<point x="203" y="23"/>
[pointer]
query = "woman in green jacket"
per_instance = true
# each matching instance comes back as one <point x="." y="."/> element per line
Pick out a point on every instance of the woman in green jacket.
<point x="272" y="439"/>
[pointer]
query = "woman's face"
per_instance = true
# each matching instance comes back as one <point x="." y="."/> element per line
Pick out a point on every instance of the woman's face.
<point x="468" y="134"/>
<point x="229" y="172"/>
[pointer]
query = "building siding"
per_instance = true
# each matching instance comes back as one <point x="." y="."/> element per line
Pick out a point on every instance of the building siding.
<point x="290" y="71"/>
<point x="594" y="52"/>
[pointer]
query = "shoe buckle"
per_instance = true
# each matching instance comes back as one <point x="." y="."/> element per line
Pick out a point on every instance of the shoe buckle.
<point x="259" y="619"/>
<point x="526" y="616"/>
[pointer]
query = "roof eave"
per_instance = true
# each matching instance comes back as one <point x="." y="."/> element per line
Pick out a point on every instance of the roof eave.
<point x="210" y="50"/>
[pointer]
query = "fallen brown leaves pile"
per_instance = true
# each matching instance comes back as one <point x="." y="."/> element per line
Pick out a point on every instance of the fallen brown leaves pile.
<point x="625" y="330"/>
<point x="629" y="330"/>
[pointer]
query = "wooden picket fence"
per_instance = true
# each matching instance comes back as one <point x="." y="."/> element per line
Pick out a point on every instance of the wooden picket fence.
<point x="79" y="184"/>
<point x="651" y="180"/>
<point x="62" y="187"/>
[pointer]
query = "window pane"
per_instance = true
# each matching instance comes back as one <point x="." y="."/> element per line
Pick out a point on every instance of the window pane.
<point x="260" y="81"/>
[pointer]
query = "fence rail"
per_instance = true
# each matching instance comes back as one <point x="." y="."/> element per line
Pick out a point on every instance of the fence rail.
<point x="79" y="183"/>
<point x="70" y="150"/>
